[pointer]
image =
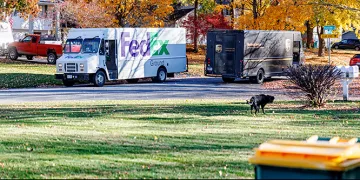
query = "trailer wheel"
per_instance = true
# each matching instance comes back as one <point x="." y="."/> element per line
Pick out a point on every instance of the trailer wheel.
<point x="99" y="79"/>
<point x="28" y="57"/>
<point x="13" y="54"/>
<point x="161" y="75"/>
<point x="132" y="80"/>
<point x="260" y="76"/>
<point x="228" y="80"/>
<point x="68" y="83"/>
<point x="51" y="58"/>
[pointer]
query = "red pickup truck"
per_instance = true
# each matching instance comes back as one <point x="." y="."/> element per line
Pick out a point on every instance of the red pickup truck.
<point x="35" y="45"/>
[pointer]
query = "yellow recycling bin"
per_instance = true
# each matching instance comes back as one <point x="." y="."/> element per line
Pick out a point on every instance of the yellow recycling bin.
<point x="311" y="159"/>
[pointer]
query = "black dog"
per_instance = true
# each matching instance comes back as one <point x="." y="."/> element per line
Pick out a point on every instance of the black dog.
<point x="260" y="101"/>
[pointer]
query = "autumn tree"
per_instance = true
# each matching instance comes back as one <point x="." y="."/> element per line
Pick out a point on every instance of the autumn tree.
<point x="138" y="13"/>
<point x="85" y="13"/>
<point x="343" y="14"/>
<point x="204" y="23"/>
<point x="25" y="7"/>
<point x="272" y="14"/>
<point x="207" y="6"/>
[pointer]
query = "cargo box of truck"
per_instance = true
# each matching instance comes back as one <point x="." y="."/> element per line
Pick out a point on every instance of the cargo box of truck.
<point x="253" y="54"/>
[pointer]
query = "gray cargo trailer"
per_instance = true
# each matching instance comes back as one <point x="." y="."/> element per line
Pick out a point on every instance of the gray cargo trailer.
<point x="253" y="54"/>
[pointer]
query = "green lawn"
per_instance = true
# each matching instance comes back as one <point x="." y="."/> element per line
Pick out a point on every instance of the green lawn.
<point x="153" y="139"/>
<point x="16" y="74"/>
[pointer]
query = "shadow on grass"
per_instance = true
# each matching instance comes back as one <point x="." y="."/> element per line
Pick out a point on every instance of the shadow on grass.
<point x="24" y="80"/>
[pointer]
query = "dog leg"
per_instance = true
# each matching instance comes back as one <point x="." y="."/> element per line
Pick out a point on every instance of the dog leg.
<point x="256" y="109"/>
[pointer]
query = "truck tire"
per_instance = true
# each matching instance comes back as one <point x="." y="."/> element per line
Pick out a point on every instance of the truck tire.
<point x="51" y="58"/>
<point x="99" y="79"/>
<point x="259" y="78"/>
<point x="13" y="54"/>
<point x="357" y="48"/>
<point x="68" y="83"/>
<point x="161" y="75"/>
<point x="28" y="57"/>
<point x="132" y="80"/>
<point x="228" y="80"/>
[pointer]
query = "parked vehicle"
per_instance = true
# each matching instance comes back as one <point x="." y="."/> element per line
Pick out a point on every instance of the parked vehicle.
<point x="6" y="37"/>
<point x="36" y="45"/>
<point x="98" y="55"/>
<point x="347" y="44"/>
<point x="252" y="54"/>
<point x="355" y="60"/>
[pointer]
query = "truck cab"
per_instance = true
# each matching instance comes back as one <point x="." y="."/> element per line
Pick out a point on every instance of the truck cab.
<point x="36" y="45"/>
<point x="85" y="59"/>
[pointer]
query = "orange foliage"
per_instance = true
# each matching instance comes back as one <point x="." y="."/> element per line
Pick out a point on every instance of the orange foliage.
<point x="25" y="7"/>
<point x="285" y="15"/>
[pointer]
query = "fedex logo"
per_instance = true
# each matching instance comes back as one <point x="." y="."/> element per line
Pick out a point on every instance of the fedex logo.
<point x="144" y="47"/>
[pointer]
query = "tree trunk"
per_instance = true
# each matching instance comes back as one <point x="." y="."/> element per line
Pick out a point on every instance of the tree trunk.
<point x="196" y="49"/>
<point x="254" y="4"/>
<point x="321" y="41"/>
<point x="242" y="9"/>
<point x="309" y="35"/>
<point x="232" y="13"/>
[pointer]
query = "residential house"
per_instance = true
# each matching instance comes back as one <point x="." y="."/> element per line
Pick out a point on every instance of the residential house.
<point x="42" y="24"/>
<point x="349" y="35"/>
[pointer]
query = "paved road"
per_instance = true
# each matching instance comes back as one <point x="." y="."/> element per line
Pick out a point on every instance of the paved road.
<point x="185" y="88"/>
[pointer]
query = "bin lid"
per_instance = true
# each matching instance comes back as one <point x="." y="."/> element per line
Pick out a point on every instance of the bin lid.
<point x="321" y="155"/>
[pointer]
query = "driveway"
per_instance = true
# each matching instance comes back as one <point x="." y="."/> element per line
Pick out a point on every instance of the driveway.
<point x="175" y="88"/>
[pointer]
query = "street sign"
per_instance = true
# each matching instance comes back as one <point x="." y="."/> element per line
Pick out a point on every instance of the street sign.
<point x="329" y="28"/>
<point x="329" y="36"/>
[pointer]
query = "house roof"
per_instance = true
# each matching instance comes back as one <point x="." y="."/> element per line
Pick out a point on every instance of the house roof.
<point x="48" y="2"/>
<point x="180" y="12"/>
<point x="348" y="32"/>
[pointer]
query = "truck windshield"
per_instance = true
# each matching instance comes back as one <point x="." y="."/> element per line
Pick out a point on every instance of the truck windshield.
<point x="73" y="46"/>
<point x="91" y="45"/>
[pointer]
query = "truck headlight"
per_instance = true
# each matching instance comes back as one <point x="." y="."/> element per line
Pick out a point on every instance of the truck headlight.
<point x="81" y="65"/>
<point x="60" y="66"/>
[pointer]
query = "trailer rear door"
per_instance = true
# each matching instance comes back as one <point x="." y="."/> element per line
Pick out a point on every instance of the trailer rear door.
<point x="224" y="62"/>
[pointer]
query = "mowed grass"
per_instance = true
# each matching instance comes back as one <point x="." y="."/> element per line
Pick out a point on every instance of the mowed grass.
<point x="154" y="139"/>
<point x="17" y="74"/>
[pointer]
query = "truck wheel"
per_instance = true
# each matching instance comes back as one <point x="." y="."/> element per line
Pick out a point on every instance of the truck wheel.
<point x="28" y="57"/>
<point x="51" y="58"/>
<point x="357" y="48"/>
<point x="161" y="75"/>
<point x="228" y="80"/>
<point x="13" y="54"/>
<point x="68" y="83"/>
<point x="259" y="79"/>
<point x="99" y="79"/>
<point x="132" y="80"/>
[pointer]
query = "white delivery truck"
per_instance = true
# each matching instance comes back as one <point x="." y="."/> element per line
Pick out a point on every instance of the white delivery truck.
<point x="98" y="55"/>
<point x="6" y="37"/>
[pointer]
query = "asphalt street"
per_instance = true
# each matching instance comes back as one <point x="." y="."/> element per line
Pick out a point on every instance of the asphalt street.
<point x="181" y="88"/>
